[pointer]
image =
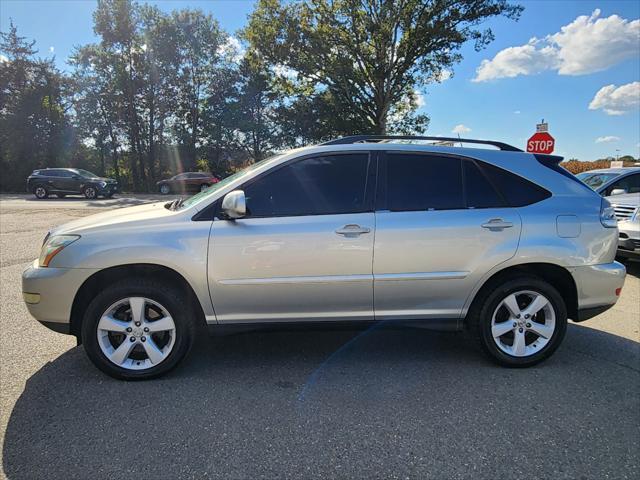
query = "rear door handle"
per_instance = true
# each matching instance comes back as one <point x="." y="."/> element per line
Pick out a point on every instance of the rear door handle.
<point x="352" y="230"/>
<point x="497" y="224"/>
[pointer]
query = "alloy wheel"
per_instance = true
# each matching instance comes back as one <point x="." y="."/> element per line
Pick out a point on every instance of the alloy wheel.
<point x="164" y="189"/>
<point x="136" y="333"/>
<point x="41" y="192"/>
<point x="523" y="323"/>
<point x="90" y="192"/>
<point x="203" y="187"/>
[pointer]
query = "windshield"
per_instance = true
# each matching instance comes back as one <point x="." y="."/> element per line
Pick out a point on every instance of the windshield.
<point x="199" y="197"/>
<point x="86" y="173"/>
<point x="594" y="180"/>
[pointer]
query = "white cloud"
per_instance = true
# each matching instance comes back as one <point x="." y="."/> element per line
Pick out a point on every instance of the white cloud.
<point x="617" y="100"/>
<point x="3" y="58"/>
<point x="420" y="101"/>
<point x="586" y="45"/>
<point x="444" y="76"/>
<point x="51" y="49"/>
<point x="517" y="112"/>
<point x="607" y="139"/>
<point x="232" y="49"/>
<point x="460" y="129"/>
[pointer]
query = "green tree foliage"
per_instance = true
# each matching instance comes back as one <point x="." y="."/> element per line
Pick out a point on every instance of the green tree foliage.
<point x="371" y="54"/>
<point x="34" y="131"/>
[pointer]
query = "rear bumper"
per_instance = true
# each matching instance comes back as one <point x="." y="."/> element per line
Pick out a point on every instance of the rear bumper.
<point x="598" y="288"/>
<point x="49" y="293"/>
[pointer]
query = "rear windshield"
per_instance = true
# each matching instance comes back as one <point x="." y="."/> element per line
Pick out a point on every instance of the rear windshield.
<point x="595" y="180"/>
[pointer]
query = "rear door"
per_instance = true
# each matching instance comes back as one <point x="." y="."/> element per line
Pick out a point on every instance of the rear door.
<point x="440" y="226"/>
<point x="304" y="251"/>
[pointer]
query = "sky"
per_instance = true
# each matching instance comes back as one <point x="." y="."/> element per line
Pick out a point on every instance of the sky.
<point x="575" y="64"/>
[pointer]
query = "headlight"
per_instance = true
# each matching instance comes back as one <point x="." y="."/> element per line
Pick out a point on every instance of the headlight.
<point x="103" y="184"/>
<point x="53" y="246"/>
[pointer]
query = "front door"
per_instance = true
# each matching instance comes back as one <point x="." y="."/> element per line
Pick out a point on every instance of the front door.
<point x="304" y="251"/>
<point x="440" y="227"/>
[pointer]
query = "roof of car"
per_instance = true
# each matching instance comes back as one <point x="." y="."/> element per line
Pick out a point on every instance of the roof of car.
<point x="614" y="170"/>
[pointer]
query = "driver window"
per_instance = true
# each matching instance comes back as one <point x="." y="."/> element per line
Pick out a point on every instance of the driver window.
<point x="324" y="185"/>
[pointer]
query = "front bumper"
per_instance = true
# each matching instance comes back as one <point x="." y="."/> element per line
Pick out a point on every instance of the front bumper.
<point x="598" y="288"/>
<point x="49" y="293"/>
<point x="108" y="189"/>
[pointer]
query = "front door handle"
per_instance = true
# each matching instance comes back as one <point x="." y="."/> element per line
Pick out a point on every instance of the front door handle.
<point x="352" y="230"/>
<point x="496" y="224"/>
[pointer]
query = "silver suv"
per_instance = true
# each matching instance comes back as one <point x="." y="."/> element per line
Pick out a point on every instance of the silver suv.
<point x="359" y="229"/>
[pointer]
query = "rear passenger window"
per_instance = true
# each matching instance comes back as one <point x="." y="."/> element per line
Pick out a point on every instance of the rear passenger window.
<point x="478" y="190"/>
<point x="423" y="182"/>
<point x="517" y="191"/>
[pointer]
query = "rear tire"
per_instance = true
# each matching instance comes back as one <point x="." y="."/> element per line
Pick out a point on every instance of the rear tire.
<point x="41" y="192"/>
<point x="159" y="302"/>
<point x="527" y="336"/>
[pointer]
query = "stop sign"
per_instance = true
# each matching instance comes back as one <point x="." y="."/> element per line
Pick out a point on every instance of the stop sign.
<point x="541" y="142"/>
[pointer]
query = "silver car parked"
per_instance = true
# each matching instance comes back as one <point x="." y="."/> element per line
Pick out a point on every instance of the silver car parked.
<point x="359" y="229"/>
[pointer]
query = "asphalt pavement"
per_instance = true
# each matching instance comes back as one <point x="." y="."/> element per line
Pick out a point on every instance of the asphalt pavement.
<point x="378" y="403"/>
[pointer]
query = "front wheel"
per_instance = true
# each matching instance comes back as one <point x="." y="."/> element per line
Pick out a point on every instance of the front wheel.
<point x="204" y="186"/>
<point x="137" y="329"/>
<point x="90" y="193"/>
<point x="165" y="189"/>
<point x="520" y="322"/>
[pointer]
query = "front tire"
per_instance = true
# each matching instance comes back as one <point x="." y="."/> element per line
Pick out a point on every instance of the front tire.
<point x="204" y="186"/>
<point x="138" y="329"/>
<point x="519" y="322"/>
<point x="165" y="189"/>
<point x="90" y="193"/>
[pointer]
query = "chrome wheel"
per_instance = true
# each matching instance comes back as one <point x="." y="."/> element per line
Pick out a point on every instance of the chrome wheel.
<point x="136" y="333"/>
<point x="40" y="192"/>
<point x="203" y="187"/>
<point x="523" y="323"/>
<point x="165" y="189"/>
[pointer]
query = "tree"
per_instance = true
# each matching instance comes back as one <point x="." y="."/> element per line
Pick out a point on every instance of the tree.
<point x="371" y="54"/>
<point x="34" y="126"/>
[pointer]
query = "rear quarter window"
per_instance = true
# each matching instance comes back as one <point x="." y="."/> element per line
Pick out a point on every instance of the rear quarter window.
<point x="517" y="191"/>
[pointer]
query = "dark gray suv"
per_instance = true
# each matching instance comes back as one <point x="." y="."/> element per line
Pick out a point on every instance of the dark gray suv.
<point x="69" y="181"/>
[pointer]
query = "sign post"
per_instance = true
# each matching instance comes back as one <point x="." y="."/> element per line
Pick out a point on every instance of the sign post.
<point x="541" y="141"/>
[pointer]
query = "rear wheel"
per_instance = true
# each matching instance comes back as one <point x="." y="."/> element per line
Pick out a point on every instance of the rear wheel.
<point x="137" y="329"/>
<point x="41" y="192"/>
<point x="520" y="322"/>
<point x="90" y="192"/>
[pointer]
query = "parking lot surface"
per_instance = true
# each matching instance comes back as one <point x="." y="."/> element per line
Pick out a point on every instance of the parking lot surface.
<point x="378" y="403"/>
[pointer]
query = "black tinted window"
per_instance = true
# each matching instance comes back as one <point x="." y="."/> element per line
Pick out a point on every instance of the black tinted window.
<point x="478" y="191"/>
<point x="314" y="186"/>
<point x="517" y="191"/>
<point x="630" y="183"/>
<point x="423" y="182"/>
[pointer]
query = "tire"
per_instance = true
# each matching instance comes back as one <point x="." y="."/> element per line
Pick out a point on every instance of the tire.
<point x="204" y="186"/>
<point x="41" y="192"/>
<point x="90" y="192"/>
<point x="495" y="304"/>
<point x="165" y="189"/>
<point x="160" y="300"/>
<point x="61" y="195"/>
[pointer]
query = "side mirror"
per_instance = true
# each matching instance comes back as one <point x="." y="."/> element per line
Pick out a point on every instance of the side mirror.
<point x="234" y="205"/>
<point x="618" y="191"/>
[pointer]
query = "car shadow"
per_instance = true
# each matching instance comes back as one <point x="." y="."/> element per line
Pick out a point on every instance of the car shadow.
<point x="376" y="403"/>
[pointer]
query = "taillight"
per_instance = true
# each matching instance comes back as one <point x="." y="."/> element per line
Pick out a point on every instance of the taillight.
<point x="607" y="214"/>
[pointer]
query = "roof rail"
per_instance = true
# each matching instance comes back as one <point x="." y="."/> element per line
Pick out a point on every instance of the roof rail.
<point x="381" y="138"/>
